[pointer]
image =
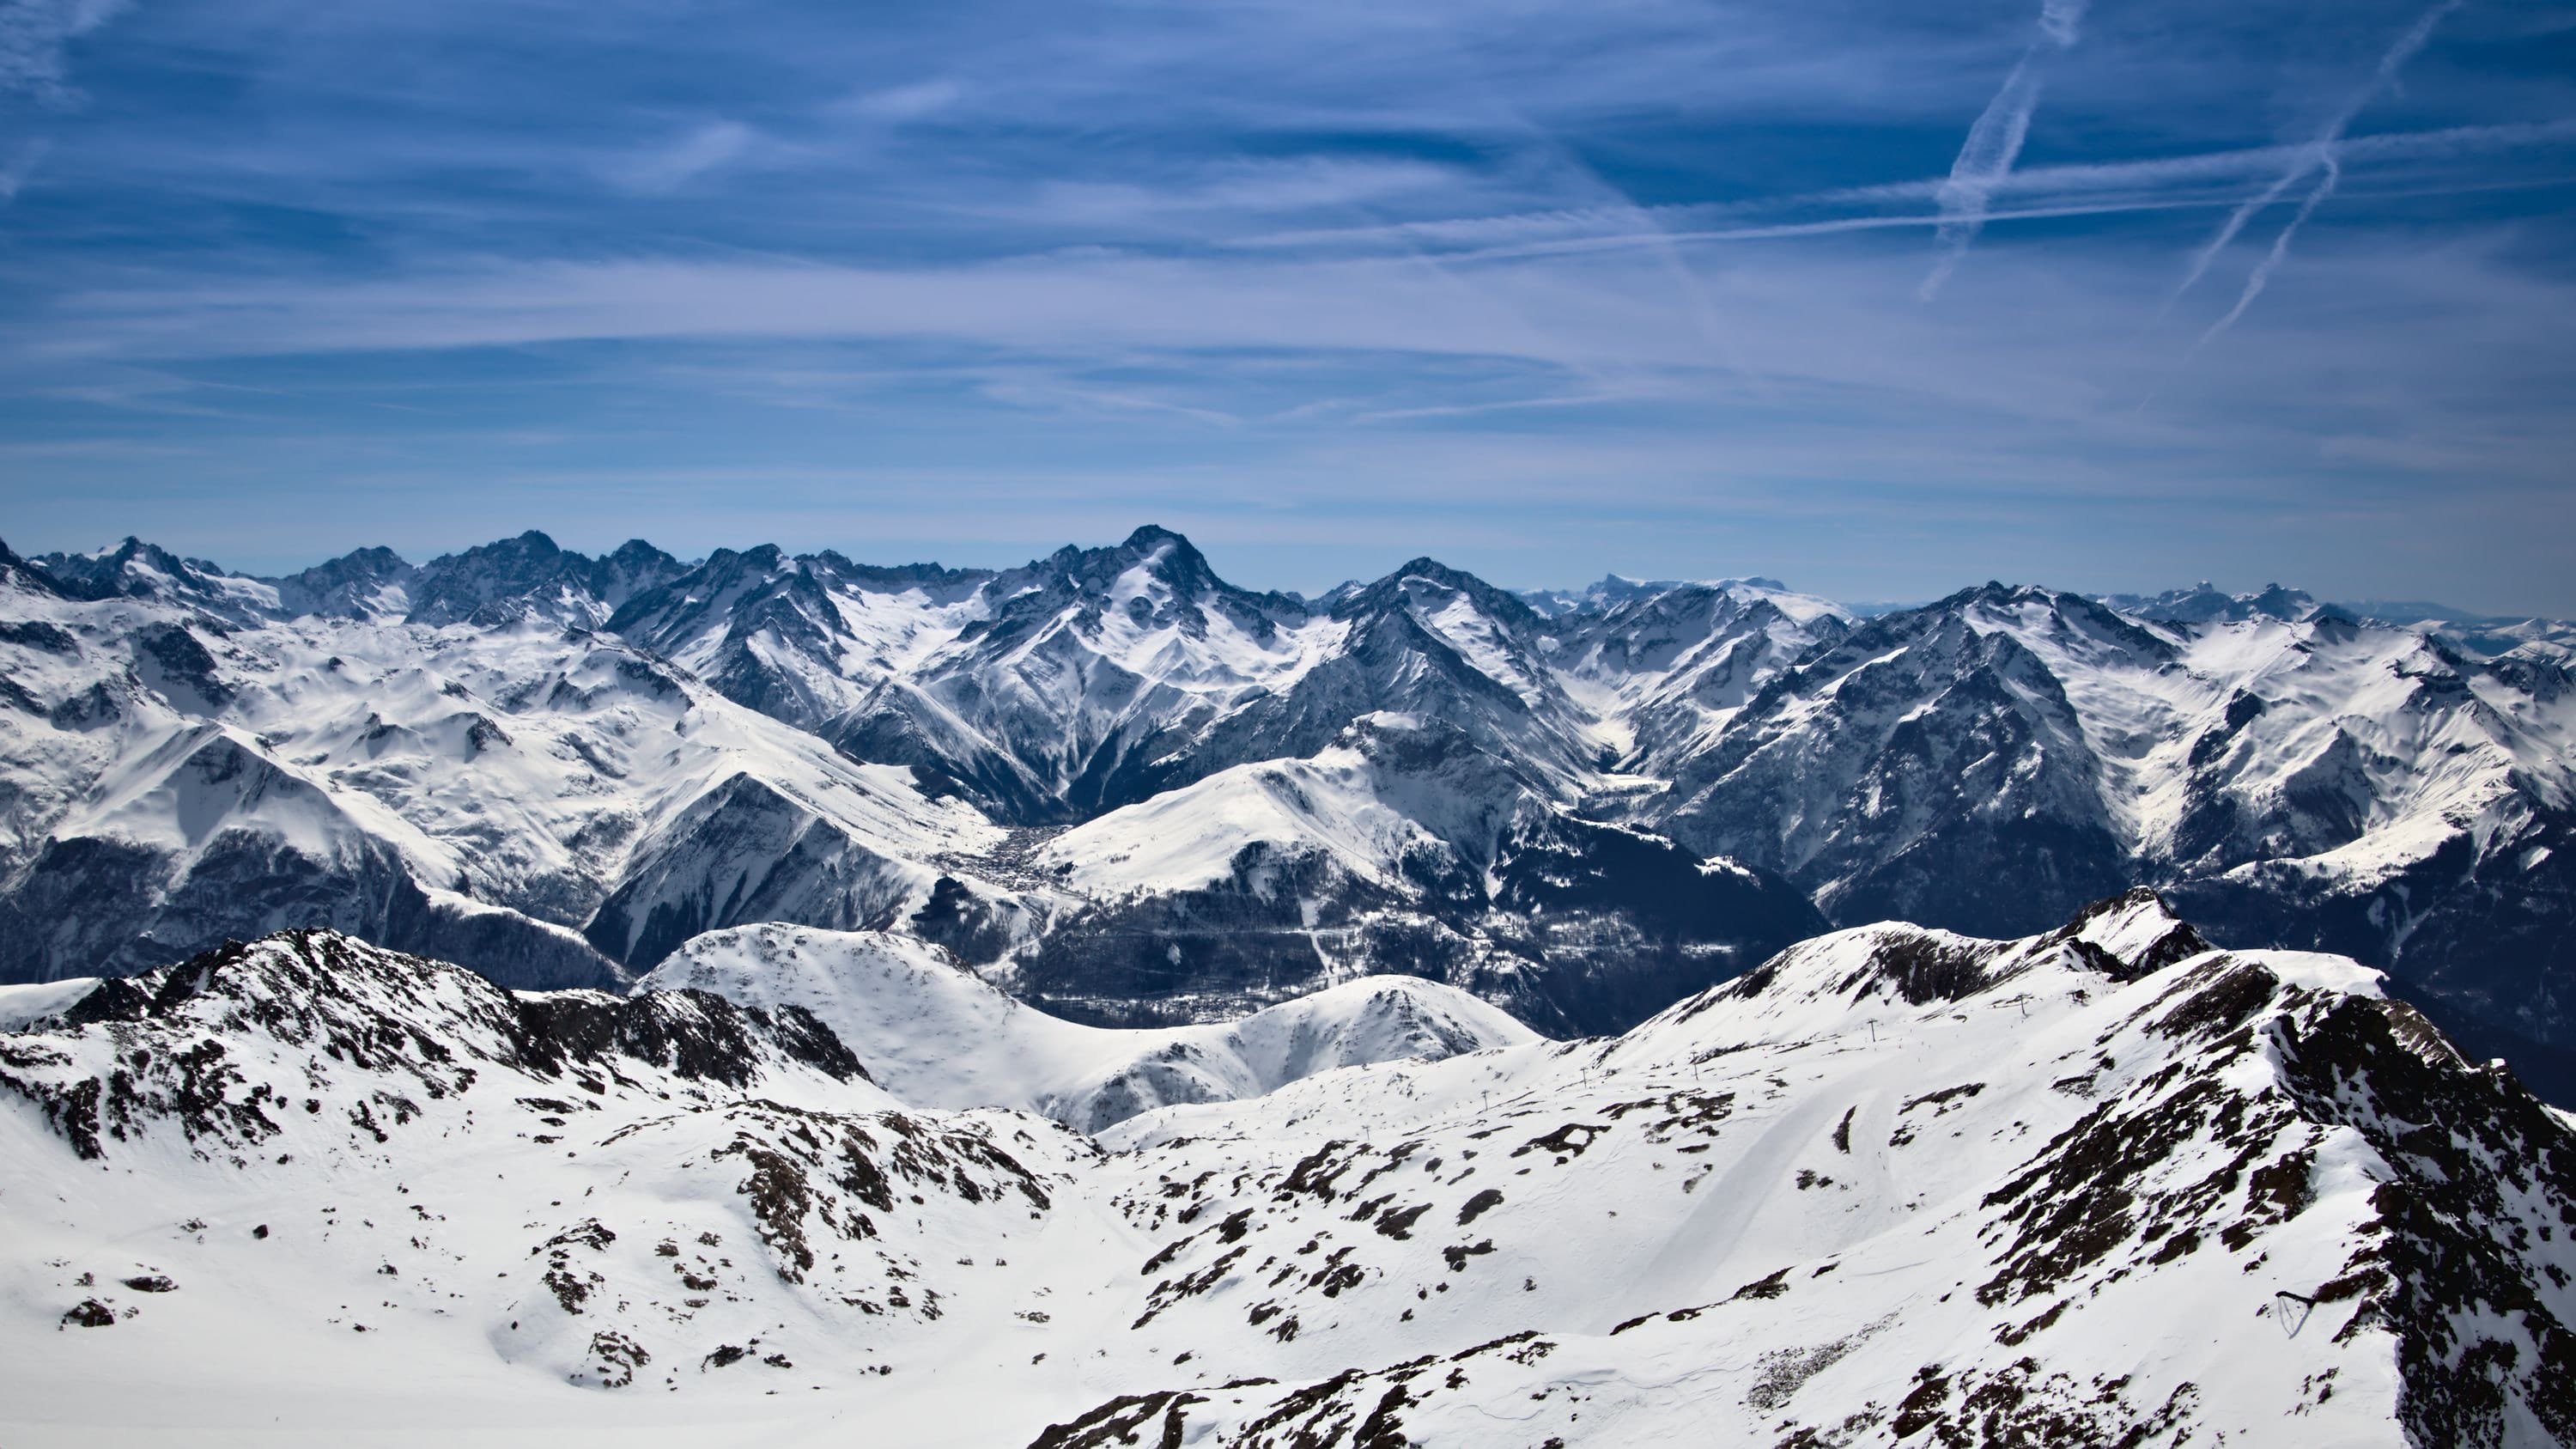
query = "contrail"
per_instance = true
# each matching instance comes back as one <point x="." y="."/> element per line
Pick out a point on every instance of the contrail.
<point x="2262" y="273"/>
<point x="2235" y="223"/>
<point x="2320" y="151"/>
<point x="1986" y="157"/>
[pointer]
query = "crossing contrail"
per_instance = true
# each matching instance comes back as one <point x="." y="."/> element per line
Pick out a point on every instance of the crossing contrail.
<point x="2318" y="154"/>
<point x="2262" y="274"/>
<point x="1986" y="157"/>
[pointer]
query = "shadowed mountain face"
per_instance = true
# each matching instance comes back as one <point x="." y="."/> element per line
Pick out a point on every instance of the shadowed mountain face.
<point x="1579" y="805"/>
<point x="1401" y="847"/>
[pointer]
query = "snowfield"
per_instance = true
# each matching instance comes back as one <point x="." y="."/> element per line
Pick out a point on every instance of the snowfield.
<point x="2103" y="1185"/>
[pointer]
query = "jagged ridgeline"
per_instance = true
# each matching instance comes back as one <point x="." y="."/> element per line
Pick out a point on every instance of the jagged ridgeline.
<point x="1115" y="784"/>
<point x="2104" y="1185"/>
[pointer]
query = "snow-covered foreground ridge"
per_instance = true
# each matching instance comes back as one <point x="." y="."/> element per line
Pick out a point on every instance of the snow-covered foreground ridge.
<point x="2106" y="1185"/>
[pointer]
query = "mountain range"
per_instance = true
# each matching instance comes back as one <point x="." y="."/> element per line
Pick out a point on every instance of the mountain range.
<point x="1116" y="787"/>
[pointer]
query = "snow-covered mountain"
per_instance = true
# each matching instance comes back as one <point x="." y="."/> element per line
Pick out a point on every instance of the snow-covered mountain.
<point x="937" y="1035"/>
<point x="550" y="802"/>
<point x="490" y="584"/>
<point x="2101" y="1186"/>
<point x="1096" y="678"/>
<point x="1671" y="665"/>
<point x="1894" y="1186"/>
<point x="1113" y="782"/>
<point x="1402" y="846"/>
<point x="1989" y="761"/>
<point x="2204" y="604"/>
<point x="1036" y="692"/>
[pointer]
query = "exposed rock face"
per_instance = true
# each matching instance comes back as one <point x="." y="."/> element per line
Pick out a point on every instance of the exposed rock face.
<point x="1991" y="804"/>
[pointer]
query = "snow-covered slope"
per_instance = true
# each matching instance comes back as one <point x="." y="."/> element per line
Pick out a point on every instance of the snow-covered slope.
<point x="939" y="1036"/>
<point x="311" y="1162"/>
<point x="1898" y="1186"/>
<point x="1388" y="789"/>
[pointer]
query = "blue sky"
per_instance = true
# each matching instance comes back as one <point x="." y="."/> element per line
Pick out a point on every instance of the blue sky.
<point x="1879" y="298"/>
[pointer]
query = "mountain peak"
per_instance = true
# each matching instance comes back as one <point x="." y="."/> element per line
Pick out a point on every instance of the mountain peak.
<point x="356" y="584"/>
<point x="1152" y="535"/>
<point x="528" y="569"/>
<point x="1389" y="592"/>
<point x="141" y="570"/>
<point x="635" y="551"/>
<point x="1168" y="557"/>
<point x="2205" y="603"/>
<point x="1176" y="560"/>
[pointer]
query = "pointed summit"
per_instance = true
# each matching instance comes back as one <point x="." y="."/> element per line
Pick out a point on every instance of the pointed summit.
<point x="1412" y="576"/>
<point x="1168" y="557"/>
<point x="357" y="584"/>
<point x="1150" y="535"/>
<point x="1175" y="560"/>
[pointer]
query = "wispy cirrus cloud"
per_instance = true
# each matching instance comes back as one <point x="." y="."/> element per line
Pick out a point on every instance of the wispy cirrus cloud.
<point x="910" y="101"/>
<point x="669" y="167"/>
<point x="2415" y="162"/>
<point x="1328" y="255"/>
<point x="33" y="34"/>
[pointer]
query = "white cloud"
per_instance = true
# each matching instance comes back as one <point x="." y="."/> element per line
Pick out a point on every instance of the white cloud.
<point x="1255" y="189"/>
<point x="904" y="102"/>
<point x="668" y="168"/>
<point x="21" y="164"/>
<point x="32" y="36"/>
